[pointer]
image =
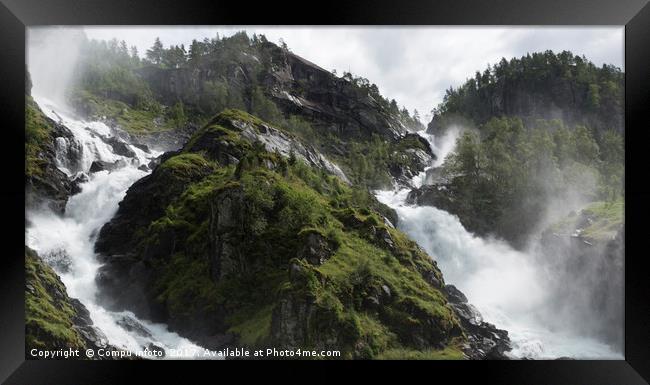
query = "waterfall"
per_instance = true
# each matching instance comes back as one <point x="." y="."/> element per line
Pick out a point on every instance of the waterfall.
<point x="510" y="288"/>
<point x="68" y="240"/>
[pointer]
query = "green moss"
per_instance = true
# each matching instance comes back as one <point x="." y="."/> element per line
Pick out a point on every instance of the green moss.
<point x="185" y="288"/>
<point x="255" y="329"/>
<point x="273" y="213"/>
<point x="48" y="312"/>
<point x="227" y="116"/>
<point x="137" y="120"/>
<point x="37" y="134"/>
<point x="186" y="164"/>
<point x="607" y="219"/>
<point x="449" y="353"/>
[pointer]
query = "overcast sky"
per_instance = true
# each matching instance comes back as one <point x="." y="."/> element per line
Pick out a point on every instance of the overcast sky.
<point x="413" y="65"/>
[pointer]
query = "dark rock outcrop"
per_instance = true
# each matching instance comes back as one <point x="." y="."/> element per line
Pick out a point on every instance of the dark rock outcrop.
<point x="145" y="201"/>
<point x="100" y="165"/>
<point x="45" y="184"/>
<point x="485" y="341"/>
<point x="130" y="324"/>
<point x="332" y="106"/>
<point x="119" y="147"/>
<point x="437" y="195"/>
<point x="450" y="197"/>
<point x="52" y="188"/>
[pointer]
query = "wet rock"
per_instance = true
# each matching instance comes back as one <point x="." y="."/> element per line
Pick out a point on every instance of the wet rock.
<point x="454" y="294"/>
<point x="82" y="317"/>
<point x="485" y="341"/>
<point x="141" y="146"/>
<point x="94" y="338"/>
<point x="437" y="195"/>
<point x="132" y="325"/>
<point x="119" y="146"/>
<point x="76" y="182"/>
<point x="47" y="185"/>
<point x="157" y="348"/>
<point x="100" y="165"/>
<point x="121" y="281"/>
<point x="434" y="176"/>
<point x="59" y="260"/>
<point x="97" y="166"/>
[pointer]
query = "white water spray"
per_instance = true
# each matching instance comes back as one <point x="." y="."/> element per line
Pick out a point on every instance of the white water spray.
<point x="74" y="234"/>
<point x="507" y="286"/>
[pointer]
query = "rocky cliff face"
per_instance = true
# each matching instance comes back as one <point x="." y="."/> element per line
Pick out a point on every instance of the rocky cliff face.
<point x="44" y="182"/>
<point x="298" y="86"/>
<point x="339" y="112"/>
<point x="485" y="341"/>
<point x="239" y="241"/>
<point x="541" y="85"/>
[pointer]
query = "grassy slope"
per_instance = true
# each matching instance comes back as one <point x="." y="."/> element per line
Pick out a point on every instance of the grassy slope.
<point x="37" y="133"/>
<point x="606" y="220"/>
<point x="48" y="312"/>
<point x="138" y="121"/>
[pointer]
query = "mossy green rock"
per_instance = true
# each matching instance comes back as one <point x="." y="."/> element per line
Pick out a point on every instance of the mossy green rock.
<point x="44" y="182"/>
<point x="49" y="313"/>
<point x="53" y="320"/>
<point x="232" y="244"/>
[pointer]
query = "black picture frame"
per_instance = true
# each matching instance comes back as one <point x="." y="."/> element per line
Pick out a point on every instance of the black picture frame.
<point x="15" y="15"/>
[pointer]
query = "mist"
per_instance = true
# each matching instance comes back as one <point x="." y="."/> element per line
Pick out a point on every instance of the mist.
<point x="52" y="54"/>
<point x="557" y="296"/>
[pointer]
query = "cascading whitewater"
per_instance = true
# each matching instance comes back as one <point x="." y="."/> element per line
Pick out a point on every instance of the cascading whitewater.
<point x="70" y="238"/>
<point x="509" y="287"/>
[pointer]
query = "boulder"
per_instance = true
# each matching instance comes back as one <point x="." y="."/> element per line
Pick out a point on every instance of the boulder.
<point x="100" y="165"/>
<point x="316" y="249"/>
<point x="132" y="325"/>
<point x="485" y="341"/>
<point x="120" y="147"/>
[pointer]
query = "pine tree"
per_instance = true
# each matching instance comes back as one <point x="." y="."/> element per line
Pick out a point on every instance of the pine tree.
<point x="155" y="53"/>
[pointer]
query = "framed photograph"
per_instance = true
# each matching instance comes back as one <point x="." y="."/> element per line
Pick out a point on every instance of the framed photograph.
<point x="450" y="186"/>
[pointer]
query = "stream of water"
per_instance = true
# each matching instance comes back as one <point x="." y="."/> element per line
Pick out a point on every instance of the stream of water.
<point x="70" y="238"/>
<point x="509" y="287"/>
